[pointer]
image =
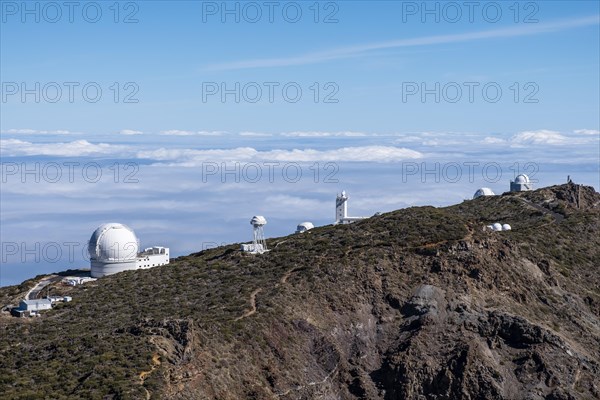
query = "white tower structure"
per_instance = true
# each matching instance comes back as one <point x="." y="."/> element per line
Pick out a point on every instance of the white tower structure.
<point x="341" y="210"/>
<point x="258" y="222"/>
<point x="521" y="184"/>
<point x="259" y="245"/>
<point x="114" y="248"/>
<point x="341" y="207"/>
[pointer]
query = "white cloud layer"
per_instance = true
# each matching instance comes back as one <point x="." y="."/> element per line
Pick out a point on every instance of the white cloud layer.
<point x="539" y="137"/>
<point x="36" y="132"/>
<point x="176" y="132"/>
<point x="77" y="148"/>
<point x="323" y="134"/>
<point x="130" y="132"/>
<point x="546" y="137"/>
<point x="192" y="157"/>
<point x="493" y="140"/>
<point x="587" y="132"/>
<point x="255" y="134"/>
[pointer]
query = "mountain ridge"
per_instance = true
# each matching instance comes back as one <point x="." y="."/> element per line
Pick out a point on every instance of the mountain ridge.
<point x="418" y="303"/>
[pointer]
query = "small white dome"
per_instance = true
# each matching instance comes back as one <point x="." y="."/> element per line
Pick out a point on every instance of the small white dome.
<point x="113" y="242"/>
<point x="522" y="179"/>
<point x="506" y="227"/>
<point x="304" y="226"/>
<point x="258" y="220"/>
<point x="483" y="192"/>
<point x="497" y="226"/>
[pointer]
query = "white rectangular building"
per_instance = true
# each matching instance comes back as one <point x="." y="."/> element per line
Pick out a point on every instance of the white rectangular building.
<point x="153" y="257"/>
<point x="35" y="305"/>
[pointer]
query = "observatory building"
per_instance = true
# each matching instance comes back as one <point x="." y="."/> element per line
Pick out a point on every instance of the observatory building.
<point x="521" y="184"/>
<point x="304" y="226"/>
<point x="341" y="210"/>
<point x="259" y="244"/>
<point x="114" y="248"/>
<point x="497" y="226"/>
<point x="483" y="192"/>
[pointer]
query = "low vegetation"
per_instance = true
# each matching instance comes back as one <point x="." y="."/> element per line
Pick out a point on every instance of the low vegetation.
<point x="330" y="303"/>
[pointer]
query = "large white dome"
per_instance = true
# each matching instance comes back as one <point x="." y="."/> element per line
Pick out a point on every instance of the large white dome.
<point x="113" y="242"/>
<point x="522" y="179"/>
<point x="483" y="192"/>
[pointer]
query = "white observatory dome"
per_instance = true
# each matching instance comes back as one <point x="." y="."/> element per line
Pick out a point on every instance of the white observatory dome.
<point x="522" y="179"/>
<point x="304" y="226"/>
<point x="483" y="192"/>
<point x="497" y="226"/>
<point x="258" y="220"/>
<point x="506" y="227"/>
<point x="113" y="242"/>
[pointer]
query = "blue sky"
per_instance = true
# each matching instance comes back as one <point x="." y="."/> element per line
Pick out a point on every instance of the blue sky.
<point x="513" y="86"/>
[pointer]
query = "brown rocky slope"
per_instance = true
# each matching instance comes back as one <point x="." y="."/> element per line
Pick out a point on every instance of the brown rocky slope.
<point x="420" y="303"/>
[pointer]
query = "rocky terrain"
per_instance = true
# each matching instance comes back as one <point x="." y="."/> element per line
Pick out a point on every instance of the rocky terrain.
<point x="420" y="303"/>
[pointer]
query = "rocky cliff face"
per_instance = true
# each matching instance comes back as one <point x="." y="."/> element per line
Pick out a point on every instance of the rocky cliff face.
<point x="420" y="303"/>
